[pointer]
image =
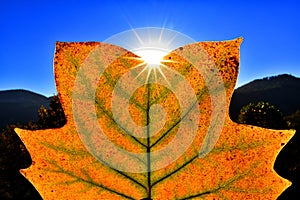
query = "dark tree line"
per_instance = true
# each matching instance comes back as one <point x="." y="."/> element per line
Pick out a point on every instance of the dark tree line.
<point x="262" y="114"/>
<point x="53" y="117"/>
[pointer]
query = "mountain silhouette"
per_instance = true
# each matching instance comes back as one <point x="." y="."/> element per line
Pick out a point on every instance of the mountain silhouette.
<point x="282" y="91"/>
<point x="20" y="106"/>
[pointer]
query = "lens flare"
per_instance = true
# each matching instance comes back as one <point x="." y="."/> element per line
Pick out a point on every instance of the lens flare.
<point x="153" y="57"/>
<point x="151" y="45"/>
<point x="152" y="60"/>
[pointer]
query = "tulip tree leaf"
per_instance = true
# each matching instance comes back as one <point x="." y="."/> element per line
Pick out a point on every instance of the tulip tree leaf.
<point x="238" y="165"/>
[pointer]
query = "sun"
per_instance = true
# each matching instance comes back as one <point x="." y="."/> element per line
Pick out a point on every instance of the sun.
<point x="152" y="61"/>
<point x="151" y="45"/>
<point x="152" y="56"/>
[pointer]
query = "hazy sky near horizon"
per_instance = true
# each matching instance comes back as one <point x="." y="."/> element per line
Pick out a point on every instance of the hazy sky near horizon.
<point x="29" y="30"/>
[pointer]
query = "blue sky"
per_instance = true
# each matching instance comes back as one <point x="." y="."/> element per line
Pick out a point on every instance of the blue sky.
<point x="29" y="30"/>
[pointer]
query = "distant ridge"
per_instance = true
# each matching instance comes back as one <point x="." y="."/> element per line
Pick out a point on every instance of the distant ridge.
<point x="20" y="106"/>
<point x="282" y="91"/>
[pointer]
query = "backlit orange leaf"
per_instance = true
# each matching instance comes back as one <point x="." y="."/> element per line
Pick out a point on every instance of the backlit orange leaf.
<point x="101" y="153"/>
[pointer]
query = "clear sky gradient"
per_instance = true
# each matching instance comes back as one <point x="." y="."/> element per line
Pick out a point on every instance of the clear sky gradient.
<point x="29" y="30"/>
